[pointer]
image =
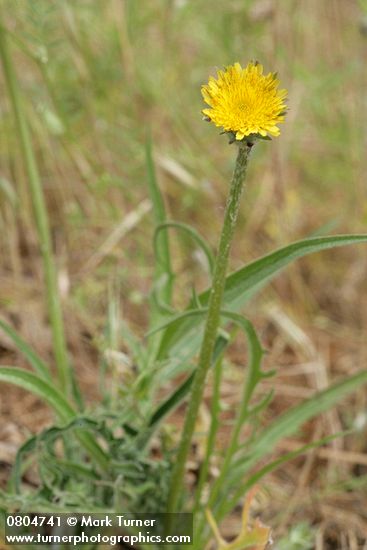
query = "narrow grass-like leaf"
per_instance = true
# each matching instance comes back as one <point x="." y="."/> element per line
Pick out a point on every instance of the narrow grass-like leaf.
<point x="200" y="241"/>
<point x="40" y="215"/>
<point x="172" y="401"/>
<point x="228" y="505"/>
<point x="163" y="261"/>
<point x="34" y="360"/>
<point x="136" y="350"/>
<point x="183" y="338"/>
<point x="33" y="383"/>
<point x="15" y="478"/>
<point x="290" y="421"/>
<point x="253" y="376"/>
<point x="255" y="347"/>
<point x="77" y="469"/>
<point x="180" y="393"/>
<point x="36" y="385"/>
<point x="175" y="320"/>
<point x="283" y="426"/>
<point x="163" y="276"/>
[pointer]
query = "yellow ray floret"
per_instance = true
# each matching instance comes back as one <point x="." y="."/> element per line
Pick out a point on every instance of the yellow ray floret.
<point x="244" y="101"/>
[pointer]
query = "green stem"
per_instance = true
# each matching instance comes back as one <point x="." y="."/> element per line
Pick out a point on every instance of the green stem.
<point x="233" y="443"/>
<point x="212" y="324"/>
<point x="41" y="218"/>
<point x="214" y="425"/>
<point x="231" y="450"/>
<point x="215" y="410"/>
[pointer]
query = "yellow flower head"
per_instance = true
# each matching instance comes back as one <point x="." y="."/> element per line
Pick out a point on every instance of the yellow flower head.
<point x="244" y="101"/>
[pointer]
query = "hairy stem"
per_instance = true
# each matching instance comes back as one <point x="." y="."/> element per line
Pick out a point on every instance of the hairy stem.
<point x="212" y="324"/>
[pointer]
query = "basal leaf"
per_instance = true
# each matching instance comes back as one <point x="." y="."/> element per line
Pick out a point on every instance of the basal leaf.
<point x="34" y="360"/>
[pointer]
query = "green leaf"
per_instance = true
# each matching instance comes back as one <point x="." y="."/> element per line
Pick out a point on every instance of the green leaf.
<point x="163" y="277"/>
<point x="33" y="383"/>
<point x="289" y="422"/>
<point x="182" y="340"/>
<point x="180" y="393"/>
<point x="15" y="478"/>
<point x="255" y="374"/>
<point x="48" y="438"/>
<point x="176" y="319"/>
<point x="172" y="401"/>
<point x="163" y="260"/>
<point x="34" y="360"/>
<point x="77" y="469"/>
<point x="271" y="466"/>
<point x="200" y="241"/>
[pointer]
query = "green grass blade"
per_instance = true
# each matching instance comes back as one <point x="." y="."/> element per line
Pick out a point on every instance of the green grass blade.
<point x="283" y="426"/>
<point x="163" y="260"/>
<point x="199" y="240"/>
<point x="228" y="505"/>
<point x="180" y="393"/>
<point x="163" y="276"/>
<point x="183" y="339"/>
<point x="172" y="401"/>
<point x="290" y="421"/>
<point x="40" y="213"/>
<point x="16" y="474"/>
<point x="36" y="385"/>
<point x="175" y="320"/>
<point x="33" y="383"/>
<point x="34" y="360"/>
<point x="254" y="375"/>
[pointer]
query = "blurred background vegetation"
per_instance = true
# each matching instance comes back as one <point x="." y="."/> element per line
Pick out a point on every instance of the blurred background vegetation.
<point x="98" y="77"/>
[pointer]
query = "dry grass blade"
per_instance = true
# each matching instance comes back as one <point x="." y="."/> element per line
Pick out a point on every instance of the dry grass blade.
<point x="131" y="220"/>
